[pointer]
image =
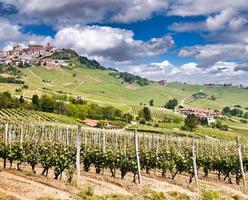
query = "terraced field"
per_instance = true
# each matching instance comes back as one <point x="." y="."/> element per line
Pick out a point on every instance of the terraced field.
<point x="18" y="115"/>
<point x="157" y="113"/>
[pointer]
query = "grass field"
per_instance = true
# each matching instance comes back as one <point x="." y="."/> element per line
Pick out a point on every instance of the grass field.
<point x="99" y="86"/>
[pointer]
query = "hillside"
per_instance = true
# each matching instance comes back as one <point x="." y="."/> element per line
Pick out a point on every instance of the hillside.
<point x="100" y="86"/>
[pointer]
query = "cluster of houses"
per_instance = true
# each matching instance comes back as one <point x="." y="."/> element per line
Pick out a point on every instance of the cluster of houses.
<point x="93" y="123"/>
<point x="162" y="82"/>
<point x="201" y="114"/>
<point x="33" y="54"/>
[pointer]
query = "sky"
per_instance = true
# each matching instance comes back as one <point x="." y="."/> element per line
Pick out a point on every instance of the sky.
<point x="189" y="41"/>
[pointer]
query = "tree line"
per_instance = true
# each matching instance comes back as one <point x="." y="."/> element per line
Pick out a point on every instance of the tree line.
<point x="77" y="107"/>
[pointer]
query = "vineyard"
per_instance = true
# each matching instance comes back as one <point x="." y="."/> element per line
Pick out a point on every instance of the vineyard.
<point x="18" y="115"/>
<point x="156" y="113"/>
<point x="65" y="150"/>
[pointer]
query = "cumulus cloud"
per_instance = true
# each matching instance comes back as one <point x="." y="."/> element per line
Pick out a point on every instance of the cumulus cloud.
<point x="218" y="21"/>
<point x="11" y="33"/>
<point x="227" y="18"/>
<point x="110" y="43"/>
<point x="219" y="72"/>
<point x="88" y="11"/>
<point x="207" y="55"/>
<point x="204" y="7"/>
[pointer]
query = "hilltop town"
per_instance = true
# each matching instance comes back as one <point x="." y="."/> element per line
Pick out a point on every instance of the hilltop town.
<point x="34" y="54"/>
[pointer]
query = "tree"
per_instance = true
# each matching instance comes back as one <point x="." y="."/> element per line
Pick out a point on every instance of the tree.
<point x="171" y="104"/>
<point x="35" y="102"/>
<point x="47" y="104"/>
<point x="21" y="100"/>
<point x="127" y="117"/>
<point x="6" y="100"/>
<point x="226" y="110"/>
<point x="190" y="123"/>
<point x="151" y="102"/>
<point x="146" y="114"/>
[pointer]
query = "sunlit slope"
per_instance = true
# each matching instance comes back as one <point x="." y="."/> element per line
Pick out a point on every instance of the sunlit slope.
<point x="99" y="86"/>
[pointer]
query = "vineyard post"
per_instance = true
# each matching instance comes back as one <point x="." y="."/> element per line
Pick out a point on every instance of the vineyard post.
<point x="241" y="161"/>
<point x="212" y="147"/>
<point x="137" y="154"/>
<point x="103" y="143"/>
<point x="194" y="163"/>
<point x="21" y="137"/>
<point x="6" y="134"/>
<point x="78" y="154"/>
<point x="85" y="140"/>
<point x="10" y="138"/>
<point x="67" y="136"/>
<point x="5" y="142"/>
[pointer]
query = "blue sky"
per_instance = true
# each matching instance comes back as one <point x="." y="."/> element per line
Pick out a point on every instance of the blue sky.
<point x="177" y="40"/>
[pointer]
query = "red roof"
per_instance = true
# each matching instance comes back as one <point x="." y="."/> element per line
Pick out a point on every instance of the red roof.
<point x="90" y="122"/>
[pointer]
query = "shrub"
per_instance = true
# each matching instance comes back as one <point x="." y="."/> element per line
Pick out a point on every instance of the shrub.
<point x="210" y="195"/>
<point x="171" y="104"/>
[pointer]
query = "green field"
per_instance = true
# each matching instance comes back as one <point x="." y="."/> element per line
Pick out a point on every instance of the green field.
<point x="99" y="86"/>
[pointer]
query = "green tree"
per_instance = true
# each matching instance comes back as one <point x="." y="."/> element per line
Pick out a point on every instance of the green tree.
<point x="127" y="117"/>
<point x="226" y="110"/>
<point x="36" y="102"/>
<point x="108" y="112"/>
<point x="171" y="104"/>
<point x="190" y="123"/>
<point x="21" y="100"/>
<point x="6" y="100"/>
<point x="47" y="104"/>
<point x="151" y="102"/>
<point x="146" y="114"/>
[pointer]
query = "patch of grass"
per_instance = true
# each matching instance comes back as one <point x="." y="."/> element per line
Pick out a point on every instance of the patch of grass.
<point x="88" y="194"/>
<point x="7" y="197"/>
<point x="210" y="195"/>
<point x="178" y="196"/>
<point x="152" y="195"/>
<point x="237" y="197"/>
<point x="47" y="198"/>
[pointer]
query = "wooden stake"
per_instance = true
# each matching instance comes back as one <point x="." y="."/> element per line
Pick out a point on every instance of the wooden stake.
<point x="6" y="134"/>
<point x="137" y="154"/>
<point x="194" y="164"/>
<point x="241" y="161"/>
<point x="78" y="143"/>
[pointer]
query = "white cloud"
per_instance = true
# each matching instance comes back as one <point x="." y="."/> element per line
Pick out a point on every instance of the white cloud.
<point x="8" y="31"/>
<point x="140" y="10"/>
<point x="237" y="23"/>
<point x="219" y="72"/>
<point x="204" y="7"/>
<point x="88" y="11"/>
<point x="110" y="43"/>
<point x="11" y="34"/>
<point x="218" y="21"/>
<point x="188" y="26"/>
<point x="207" y="55"/>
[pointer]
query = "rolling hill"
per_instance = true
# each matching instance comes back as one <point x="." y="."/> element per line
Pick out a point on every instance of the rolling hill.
<point x="99" y="86"/>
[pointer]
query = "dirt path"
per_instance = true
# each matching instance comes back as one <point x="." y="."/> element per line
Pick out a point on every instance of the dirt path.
<point x="184" y="99"/>
<point x="25" y="189"/>
<point x="35" y="75"/>
<point x="78" y="86"/>
<point x="26" y="186"/>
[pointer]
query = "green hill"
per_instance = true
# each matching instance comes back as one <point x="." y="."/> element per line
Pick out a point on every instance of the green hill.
<point x="102" y="87"/>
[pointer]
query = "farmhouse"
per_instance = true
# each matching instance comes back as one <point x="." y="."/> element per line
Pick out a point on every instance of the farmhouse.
<point x="201" y="114"/>
<point x="162" y="82"/>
